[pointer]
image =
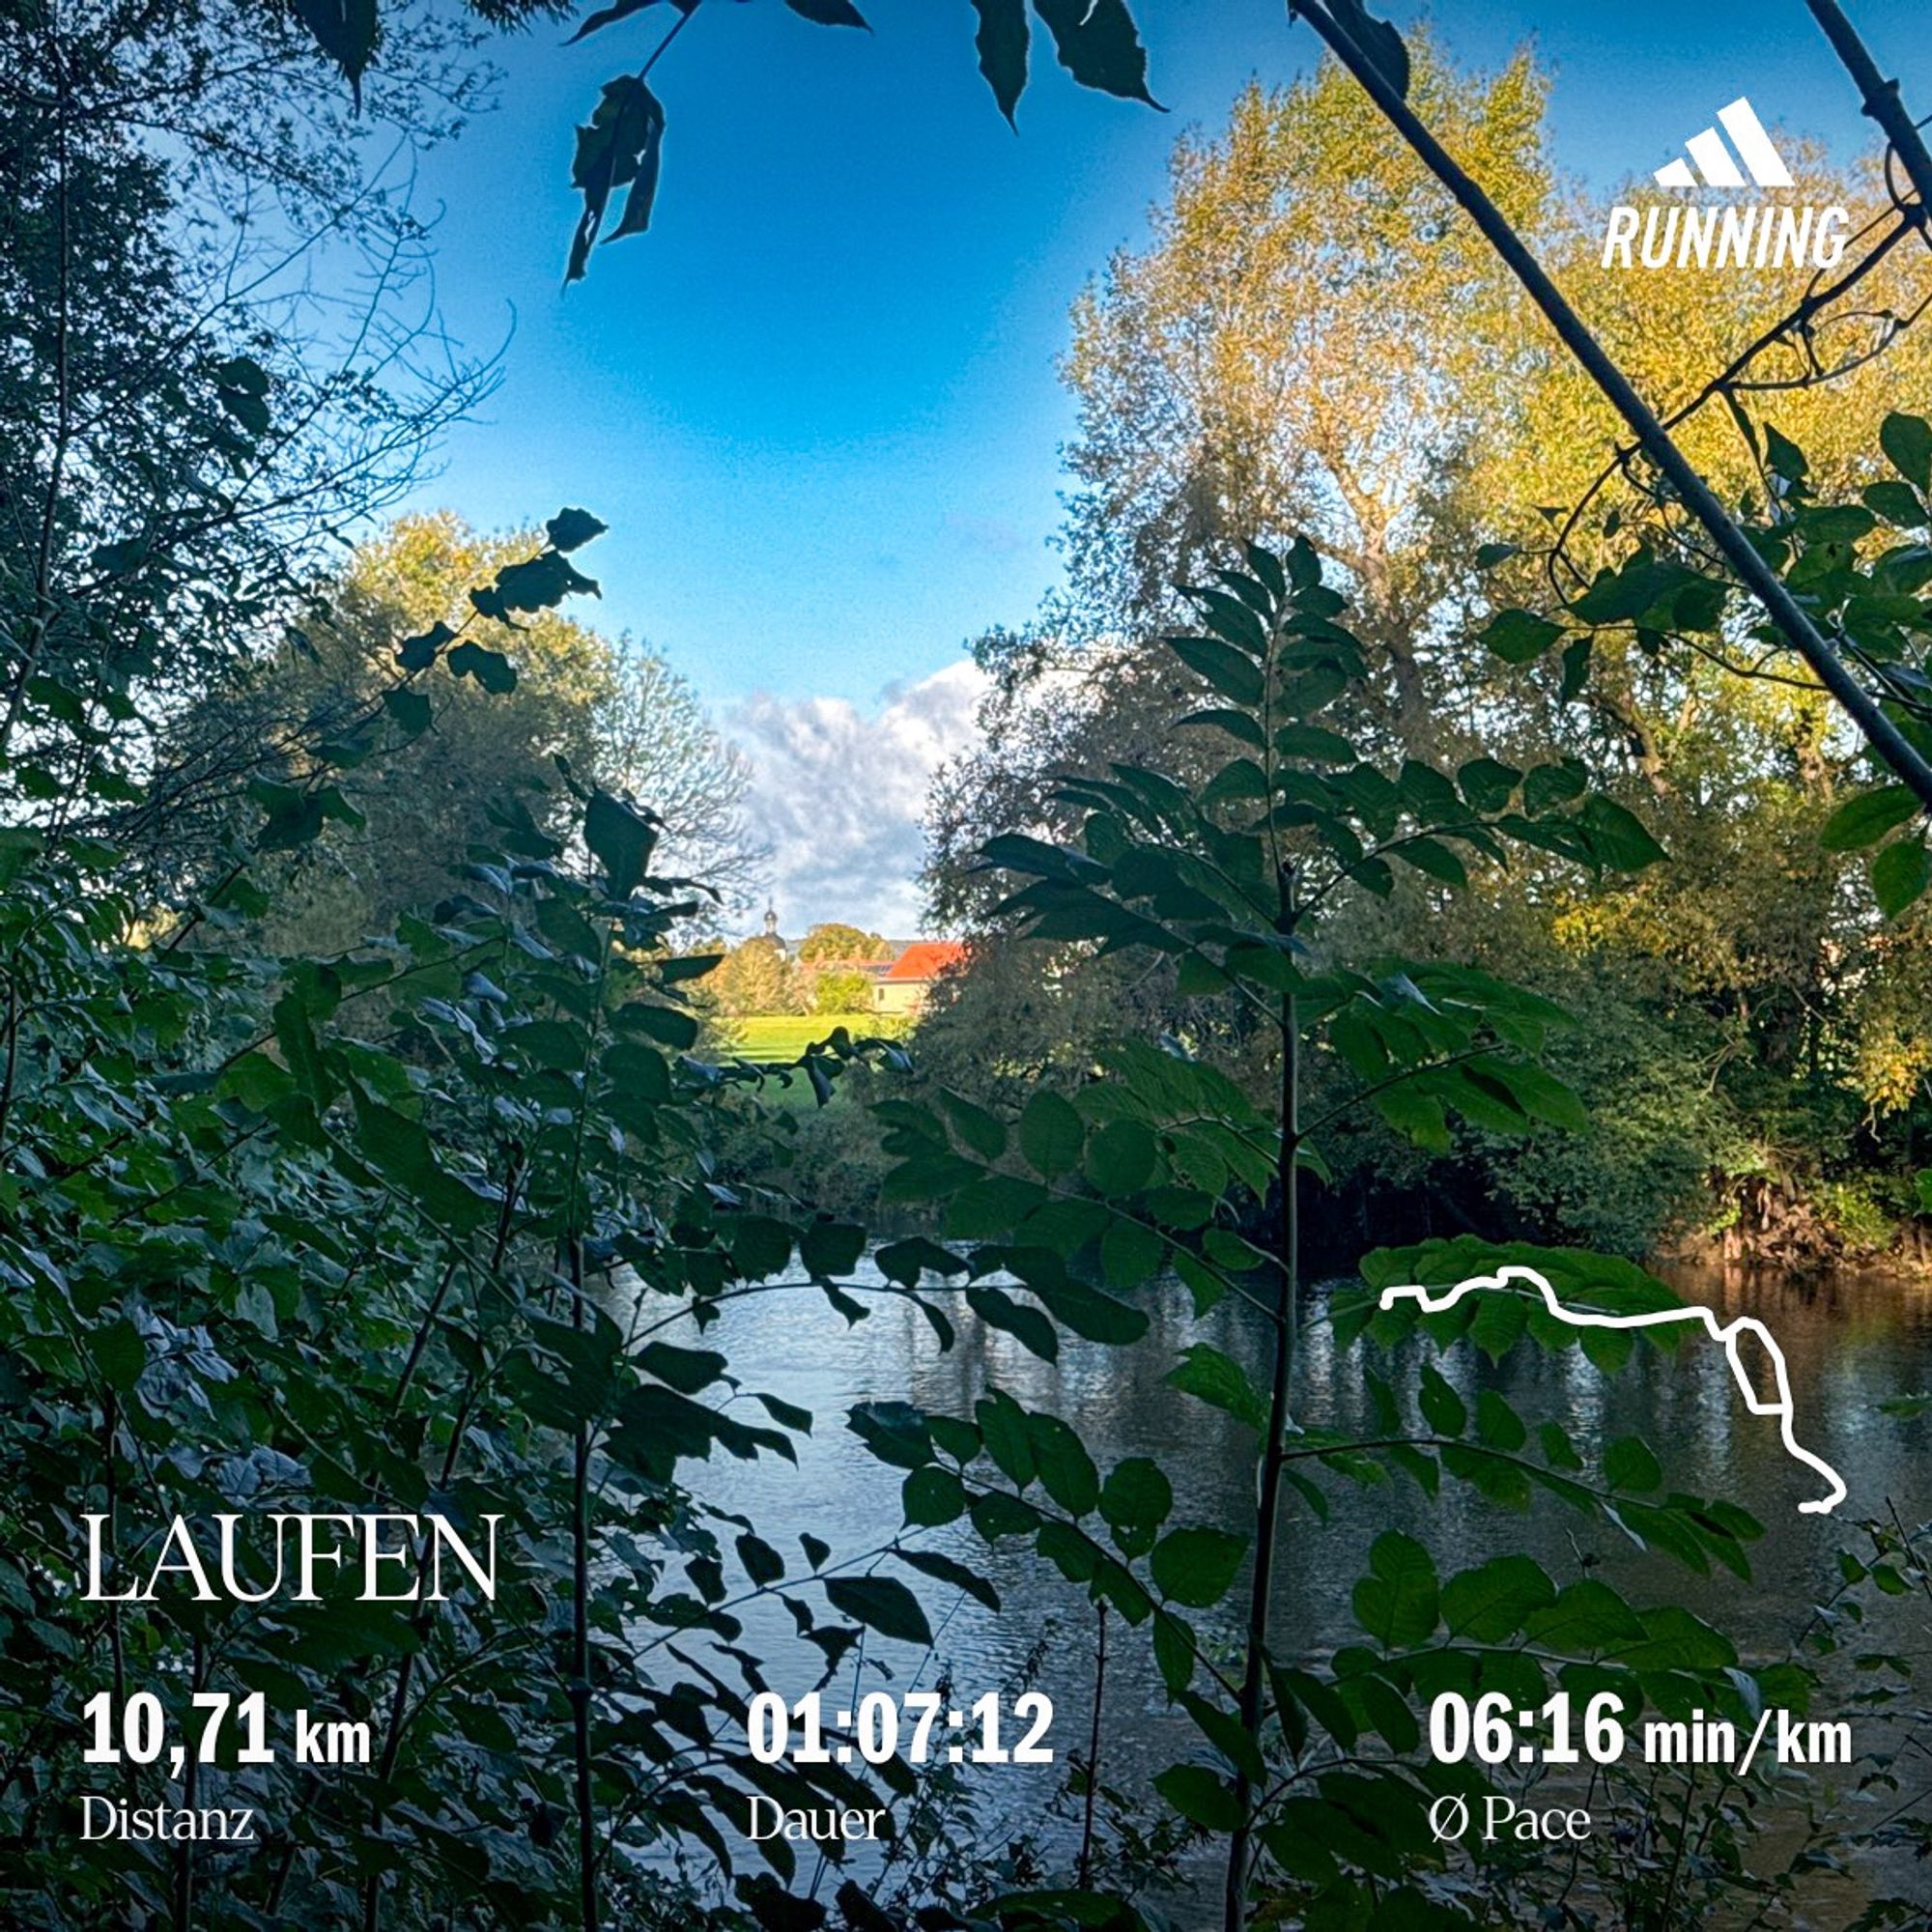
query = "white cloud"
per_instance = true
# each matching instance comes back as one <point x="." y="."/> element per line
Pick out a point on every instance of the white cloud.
<point x="837" y="795"/>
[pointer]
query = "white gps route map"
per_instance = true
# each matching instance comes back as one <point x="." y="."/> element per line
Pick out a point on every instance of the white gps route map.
<point x="1506" y="1280"/>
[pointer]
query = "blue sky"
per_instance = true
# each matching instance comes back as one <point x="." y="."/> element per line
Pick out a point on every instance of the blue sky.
<point x="817" y="405"/>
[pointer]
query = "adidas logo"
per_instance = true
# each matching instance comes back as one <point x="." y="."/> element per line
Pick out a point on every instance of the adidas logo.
<point x="1714" y="165"/>
<point x="1765" y="235"/>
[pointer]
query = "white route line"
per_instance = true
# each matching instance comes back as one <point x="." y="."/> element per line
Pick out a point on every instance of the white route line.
<point x="1727" y="1333"/>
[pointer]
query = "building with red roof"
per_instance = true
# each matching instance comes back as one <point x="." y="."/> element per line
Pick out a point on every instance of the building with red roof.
<point x="903" y="987"/>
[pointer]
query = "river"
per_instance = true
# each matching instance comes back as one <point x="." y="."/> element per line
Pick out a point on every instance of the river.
<point x="1852" y="1343"/>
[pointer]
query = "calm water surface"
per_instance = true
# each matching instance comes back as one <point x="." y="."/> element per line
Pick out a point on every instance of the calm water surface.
<point x="1851" y="1343"/>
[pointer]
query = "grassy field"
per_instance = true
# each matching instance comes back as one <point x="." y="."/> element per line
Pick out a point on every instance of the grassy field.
<point x="786" y="1035"/>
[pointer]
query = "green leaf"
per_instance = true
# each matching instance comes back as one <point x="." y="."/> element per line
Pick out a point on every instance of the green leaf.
<point x="1121" y="1157"/>
<point x="1232" y="673"/>
<point x="977" y="1129"/>
<point x="1097" y="1317"/>
<point x="1636" y="587"/>
<point x="1027" y="1325"/>
<point x="119" y="1353"/>
<point x="1224" y="1730"/>
<point x="1866" y="816"/>
<point x="1135" y="1500"/>
<point x="1549" y="786"/>
<point x="1199" y="1795"/>
<point x="933" y="1496"/>
<point x="1220" y="1381"/>
<point x="1617" y="838"/>
<point x="996" y="1514"/>
<point x="1898" y="504"/>
<point x="832" y="1247"/>
<point x="402" y="1153"/>
<point x="686" y="1369"/>
<point x="1397" y="1601"/>
<point x="1418" y="1114"/>
<point x="945" y="1570"/>
<point x="1586" y="1616"/>
<point x="419" y="652"/>
<point x="1785" y="457"/>
<point x="902" y="1261"/>
<point x="411" y="710"/>
<point x="882" y="1603"/>
<point x="1066" y="1470"/>
<point x="1130" y="1254"/>
<point x="539" y="582"/>
<point x="1629" y="1464"/>
<point x="1442" y="1406"/>
<point x="1519" y="637"/>
<point x="1899" y="875"/>
<point x="1488" y="784"/>
<point x="1316" y="744"/>
<point x="894" y="1432"/>
<point x="1907" y="441"/>
<point x="762" y="1563"/>
<point x="1836" y="522"/>
<point x="1196" y="1567"/>
<point x="1002" y="1427"/>
<point x="1576" y="668"/>
<point x="1497" y="1424"/>
<point x="1539" y="1093"/>
<point x="1174" y="1650"/>
<point x="1430" y="856"/>
<point x="1492" y="1603"/>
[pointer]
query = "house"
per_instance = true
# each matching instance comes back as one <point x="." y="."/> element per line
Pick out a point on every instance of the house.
<point x="902" y="988"/>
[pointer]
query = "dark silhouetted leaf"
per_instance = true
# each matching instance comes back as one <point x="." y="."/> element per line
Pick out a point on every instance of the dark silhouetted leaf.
<point x="345" y="31"/>
<point x="572" y="529"/>
<point x="623" y="146"/>
<point x="881" y="1604"/>
<point x="1002" y="43"/>
<point x="622" y="836"/>
<point x="827" y="12"/>
<point x="1098" y="45"/>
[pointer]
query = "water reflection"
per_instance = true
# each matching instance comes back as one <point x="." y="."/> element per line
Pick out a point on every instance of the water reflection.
<point x="1851" y="1343"/>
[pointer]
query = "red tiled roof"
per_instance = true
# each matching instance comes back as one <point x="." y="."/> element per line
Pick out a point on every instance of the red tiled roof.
<point x="926" y="959"/>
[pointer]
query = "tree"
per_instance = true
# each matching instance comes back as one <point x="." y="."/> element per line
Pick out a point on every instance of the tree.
<point x="1232" y="885"/>
<point x="623" y="148"/>
<point x="183" y="430"/>
<point x="756" y="977"/>
<point x="831" y="944"/>
<point x="1228" y="351"/>
<point x="1305" y="344"/>
<point x="834" y="992"/>
<point x="610" y="714"/>
<point x="655" y="742"/>
<point x="276" y="720"/>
